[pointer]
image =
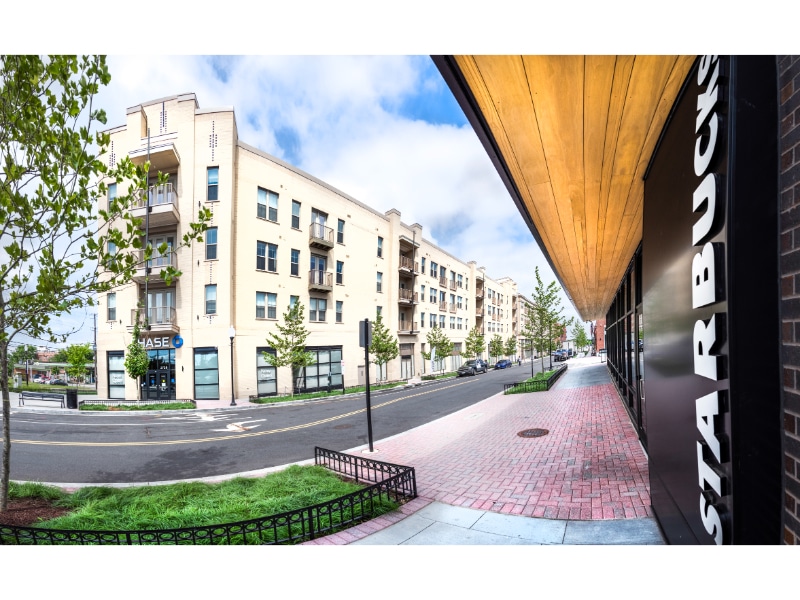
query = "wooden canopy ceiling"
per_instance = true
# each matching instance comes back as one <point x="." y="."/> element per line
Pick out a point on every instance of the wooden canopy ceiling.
<point x="572" y="136"/>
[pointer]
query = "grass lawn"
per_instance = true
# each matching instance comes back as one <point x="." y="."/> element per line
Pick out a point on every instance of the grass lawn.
<point x="192" y="504"/>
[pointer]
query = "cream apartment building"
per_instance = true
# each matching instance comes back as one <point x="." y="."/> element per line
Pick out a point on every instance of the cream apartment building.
<point x="277" y="236"/>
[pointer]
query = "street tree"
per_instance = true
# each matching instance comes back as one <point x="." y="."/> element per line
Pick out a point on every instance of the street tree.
<point x="60" y="356"/>
<point x="78" y="356"/>
<point x="384" y="347"/>
<point x="510" y="348"/>
<point x="439" y="345"/>
<point x="289" y="344"/>
<point x="580" y="337"/>
<point x="544" y="320"/>
<point x="62" y="240"/>
<point x="137" y="362"/>
<point x="474" y="344"/>
<point x="496" y="346"/>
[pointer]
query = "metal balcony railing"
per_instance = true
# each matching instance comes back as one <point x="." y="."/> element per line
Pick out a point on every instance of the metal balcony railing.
<point x="452" y="308"/>
<point x="408" y="296"/>
<point x="320" y="279"/>
<point x="442" y="306"/>
<point x="320" y="235"/>
<point x="406" y="264"/>
<point x="157" y="195"/>
<point x="155" y="315"/>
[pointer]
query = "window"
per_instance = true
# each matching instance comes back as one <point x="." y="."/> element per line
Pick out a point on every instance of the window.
<point x="116" y="374"/>
<point x="458" y="301"/>
<point x="339" y="272"/>
<point x="423" y="264"/>
<point x="422" y="319"/>
<point x="378" y="309"/>
<point x="380" y="247"/>
<point x="452" y="322"/>
<point x="317" y="308"/>
<point x="212" y="177"/>
<point x="272" y="306"/>
<point x="380" y="282"/>
<point x="261" y="301"/>
<point x="339" y="304"/>
<point x="112" y="253"/>
<point x="433" y="295"/>
<point x="267" y="205"/>
<point x="340" y="232"/>
<point x="266" y="256"/>
<point x="422" y="292"/>
<point x="111" y="301"/>
<point x="324" y="372"/>
<point x="211" y="243"/>
<point x="206" y="373"/>
<point x="460" y="322"/>
<point x="441" y="321"/>
<point x="266" y="375"/>
<point x="460" y="281"/>
<point x="434" y="269"/>
<point x="433" y="320"/>
<point x="295" y="262"/>
<point x="293" y="300"/>
<point x="211" y="299"/>
<point x="295" y="214"/>
<point x="112" y="193"/>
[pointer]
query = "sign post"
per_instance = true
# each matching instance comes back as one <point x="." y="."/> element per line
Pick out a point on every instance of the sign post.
<point x="365" y="340"/>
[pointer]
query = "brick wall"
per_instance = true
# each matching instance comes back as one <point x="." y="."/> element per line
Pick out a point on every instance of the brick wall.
<point x="789" y="187"/>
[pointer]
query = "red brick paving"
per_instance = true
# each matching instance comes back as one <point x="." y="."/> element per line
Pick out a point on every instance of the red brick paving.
<point x="590" y="465"/>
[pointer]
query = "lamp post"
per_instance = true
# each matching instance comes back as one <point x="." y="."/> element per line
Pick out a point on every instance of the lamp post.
<point x="530" y="341"/>
<point x="549" y="343"/>
<point x="232" y="334"/>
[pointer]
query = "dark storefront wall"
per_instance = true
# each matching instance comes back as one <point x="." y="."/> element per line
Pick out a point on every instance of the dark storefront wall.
<point x="744" y="309"/>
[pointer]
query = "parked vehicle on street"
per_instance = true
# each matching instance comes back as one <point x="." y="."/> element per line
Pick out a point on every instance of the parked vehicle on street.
<point x="472" y="367"/>
<point x="57" y="382"/>
<point x="502" y="364"/>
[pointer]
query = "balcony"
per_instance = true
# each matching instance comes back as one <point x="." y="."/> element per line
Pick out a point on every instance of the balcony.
<point x="443" y="306"/>
<point x="162" y="202"/>
<point x="408" y="266"/>
<point x="407" y="327"/>
<point x="452" y="285"/>
<point x="443" y="282"/>
<point x="479" y="293"/>
<point x="407" y="297"/>
<point x="163" y="154"/>
<point x="320" y="236"/>
<point x="452" y="308"/>
<point x="161" y="319"/>
<point x="320" y="281"/>
<point x="155" y="265"/>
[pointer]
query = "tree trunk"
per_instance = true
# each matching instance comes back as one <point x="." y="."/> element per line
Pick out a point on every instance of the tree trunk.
<point x="6" y="428"/>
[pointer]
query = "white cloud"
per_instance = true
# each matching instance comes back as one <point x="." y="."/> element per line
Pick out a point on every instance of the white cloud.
<point x="345" y="118"/>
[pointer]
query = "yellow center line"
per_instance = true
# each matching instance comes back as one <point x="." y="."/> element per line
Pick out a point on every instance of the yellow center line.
<point x="237" y="436"/>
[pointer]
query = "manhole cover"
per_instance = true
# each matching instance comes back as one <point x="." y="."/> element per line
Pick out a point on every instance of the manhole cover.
<point x="529" y="433"/>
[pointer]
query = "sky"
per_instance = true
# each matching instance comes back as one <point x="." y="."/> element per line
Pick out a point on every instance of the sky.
<point x="350" y="94"/>
<point x="385" y="130"/>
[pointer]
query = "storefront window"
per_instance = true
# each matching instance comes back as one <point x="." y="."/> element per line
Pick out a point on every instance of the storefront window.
<point x="206" y="374"/>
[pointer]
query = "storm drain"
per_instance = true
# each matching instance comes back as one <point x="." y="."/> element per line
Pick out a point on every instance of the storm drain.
<point x="532" y="433"/>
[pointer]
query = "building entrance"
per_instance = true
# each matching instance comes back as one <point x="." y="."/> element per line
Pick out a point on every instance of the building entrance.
<point x="159" y="384"/>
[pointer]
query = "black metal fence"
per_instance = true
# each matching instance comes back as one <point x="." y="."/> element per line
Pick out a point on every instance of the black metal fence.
<point x="538" y="385"/>
<point x="392" y="484"/>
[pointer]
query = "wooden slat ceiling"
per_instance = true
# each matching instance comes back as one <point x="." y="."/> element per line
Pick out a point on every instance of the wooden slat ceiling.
<point x="575" y="135"/>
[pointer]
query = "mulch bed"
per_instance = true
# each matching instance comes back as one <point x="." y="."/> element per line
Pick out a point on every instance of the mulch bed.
<point x="29" y="511"/>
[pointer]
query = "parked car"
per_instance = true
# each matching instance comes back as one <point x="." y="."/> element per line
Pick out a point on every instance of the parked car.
<point x="472" y="367"/>
<point x="57" y="382"/>
<point x="38" y="379"/>
<point x="502" y="364"/>
<point x="559" y="355"/>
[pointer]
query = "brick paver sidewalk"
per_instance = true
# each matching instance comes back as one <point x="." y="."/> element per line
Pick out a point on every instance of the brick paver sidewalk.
<point x="589" y="466"/>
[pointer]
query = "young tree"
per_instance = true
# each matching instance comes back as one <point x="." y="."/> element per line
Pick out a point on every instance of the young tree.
<point x="78" y="356"/>
<point x="545" y="321"/>
<point x="438" y="341"/>
<point x="510" y="348"/>
<point x="55" y="220"/>
<point x="496" y="346"/>
<point x="60" y="356"/>
<point x="384" y="347"/>
<point x="290" y="344"/>
<point x="474" y="344"/>
<point x="580" y="337"/>
<point x="137" y="362"/>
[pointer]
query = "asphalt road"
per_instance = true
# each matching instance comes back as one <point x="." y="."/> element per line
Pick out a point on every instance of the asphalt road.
<point x="100" y="448"/>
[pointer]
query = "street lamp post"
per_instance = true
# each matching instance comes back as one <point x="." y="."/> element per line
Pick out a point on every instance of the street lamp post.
<point x="530" y="341"/>
<point x="232" y="334"/>
<point x="550" y="343"/>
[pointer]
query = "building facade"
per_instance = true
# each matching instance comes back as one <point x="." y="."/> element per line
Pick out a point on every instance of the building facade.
<point x="277" y="236"/>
